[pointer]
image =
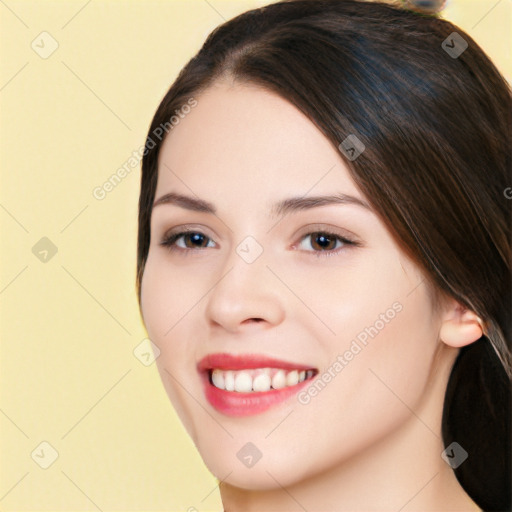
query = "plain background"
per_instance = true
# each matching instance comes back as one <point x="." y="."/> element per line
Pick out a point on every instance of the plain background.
<point x="70" y="324"/>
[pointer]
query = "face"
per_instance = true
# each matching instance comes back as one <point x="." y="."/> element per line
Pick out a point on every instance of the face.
<point x="315" y="285"/>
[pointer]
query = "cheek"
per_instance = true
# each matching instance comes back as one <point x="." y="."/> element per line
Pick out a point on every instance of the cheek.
<point x="370" y="391"/>
<point x="167" y="295"/>
<point x="338" y="297"/>
<point x="170" y="297"/>
<point x="379" y="352"/>
<point x="166" y="299"/>
<point x="387" y="337"/>
<point x="388" y="314"/>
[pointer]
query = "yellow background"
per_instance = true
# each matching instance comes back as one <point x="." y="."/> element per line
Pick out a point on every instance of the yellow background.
<point x="69" y="325"/>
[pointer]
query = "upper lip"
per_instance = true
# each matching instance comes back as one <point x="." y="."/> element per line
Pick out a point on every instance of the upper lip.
<point x="224" y="361"/>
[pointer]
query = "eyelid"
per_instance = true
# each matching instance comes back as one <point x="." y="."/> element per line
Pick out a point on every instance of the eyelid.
<point x="187" y="228"/>
<point x="329" y="228"/>
<point x="319" y="226"/>
<point x="168" y="240"/>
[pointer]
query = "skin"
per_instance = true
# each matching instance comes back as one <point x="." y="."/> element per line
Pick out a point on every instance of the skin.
<point x="370" y="440"/>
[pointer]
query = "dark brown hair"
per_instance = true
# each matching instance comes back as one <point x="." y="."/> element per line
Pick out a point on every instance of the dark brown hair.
<point x="437" y="134"/>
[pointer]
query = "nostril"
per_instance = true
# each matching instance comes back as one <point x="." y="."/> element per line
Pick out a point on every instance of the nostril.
<point x="253" y="320"/>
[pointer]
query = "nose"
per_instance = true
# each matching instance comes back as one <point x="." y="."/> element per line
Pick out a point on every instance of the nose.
<point x="245" y="294"/>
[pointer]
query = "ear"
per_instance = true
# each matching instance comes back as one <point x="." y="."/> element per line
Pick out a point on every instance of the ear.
<point x="460" y="326"/>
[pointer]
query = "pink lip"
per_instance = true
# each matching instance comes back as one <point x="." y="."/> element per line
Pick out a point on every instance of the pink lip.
<point x="233" y="403"/>
<point x="224" y="361"/>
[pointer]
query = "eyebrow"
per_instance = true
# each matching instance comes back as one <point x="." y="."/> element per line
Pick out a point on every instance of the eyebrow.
<point x="292" y="204"/>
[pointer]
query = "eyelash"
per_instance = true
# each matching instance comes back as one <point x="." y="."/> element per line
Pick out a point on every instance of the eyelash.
<point x="170" y="240"/>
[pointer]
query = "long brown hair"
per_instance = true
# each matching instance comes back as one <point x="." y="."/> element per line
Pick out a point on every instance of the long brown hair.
<point x="436" y="126"/>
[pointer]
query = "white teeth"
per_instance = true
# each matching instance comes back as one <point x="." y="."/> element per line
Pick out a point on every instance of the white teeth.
<point x="218" y="379"/>
<point x="257" y="380"/>
<point x="243" y="382"/>
<point x="292" y="378"/>
<point x="229" y="381"/>
<point x="279" y="380"/>
<point x="261" y="382"/>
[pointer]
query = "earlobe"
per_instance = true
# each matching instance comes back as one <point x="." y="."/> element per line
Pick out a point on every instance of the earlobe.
<point x="460" y="326"/>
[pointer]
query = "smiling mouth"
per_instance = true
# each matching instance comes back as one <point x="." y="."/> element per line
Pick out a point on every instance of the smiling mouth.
<point x="258" y="380"/>
<point x="250" y="384"/>
<point x="250" y="392"/>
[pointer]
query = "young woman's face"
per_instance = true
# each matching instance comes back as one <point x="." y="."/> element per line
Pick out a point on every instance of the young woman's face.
<point x="317" y="284"/>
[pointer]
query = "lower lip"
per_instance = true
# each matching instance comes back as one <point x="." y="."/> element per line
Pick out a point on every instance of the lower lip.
<point x="233" y="403"/>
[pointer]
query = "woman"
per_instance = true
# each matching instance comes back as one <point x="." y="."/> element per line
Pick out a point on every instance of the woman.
<point x="324" y="260"/>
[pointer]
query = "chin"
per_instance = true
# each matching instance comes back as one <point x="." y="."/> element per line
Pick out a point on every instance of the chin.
<point x="267" y="473"/>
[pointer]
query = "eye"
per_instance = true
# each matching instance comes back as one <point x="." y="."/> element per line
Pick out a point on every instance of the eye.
<point x="325" y="243"/>
<point x="322" y="243"/>
<point x="186" y="240"/>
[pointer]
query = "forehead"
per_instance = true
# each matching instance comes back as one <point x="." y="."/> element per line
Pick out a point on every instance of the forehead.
<point x="253" y="140"/>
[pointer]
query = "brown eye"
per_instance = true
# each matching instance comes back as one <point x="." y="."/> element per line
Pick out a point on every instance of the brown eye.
<point x="324" y="243"/>
<point x="195" y="240"/>
<point x="186" y="240"/>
